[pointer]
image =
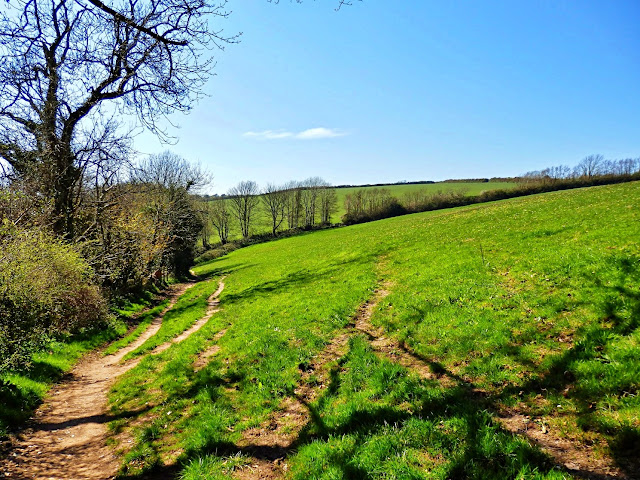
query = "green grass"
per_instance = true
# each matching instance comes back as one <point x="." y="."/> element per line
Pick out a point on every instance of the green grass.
<point x="532" y="301"/>
<point x="400" y="190"/>
<point x="191" y="306"/>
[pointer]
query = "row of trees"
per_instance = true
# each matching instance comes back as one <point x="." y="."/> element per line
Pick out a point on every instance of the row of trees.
<point x="294" y="205"/>
<point x="590" y="166"/>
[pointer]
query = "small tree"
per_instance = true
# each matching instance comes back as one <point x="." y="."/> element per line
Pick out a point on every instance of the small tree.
<point x="275" y="199"/>
<point x="220" y="217"/>
<point x="243" y="200"/>
<point x="590" y="166"/>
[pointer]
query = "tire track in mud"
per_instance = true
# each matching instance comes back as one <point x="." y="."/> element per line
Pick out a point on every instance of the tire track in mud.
<point x="67" y="436"/>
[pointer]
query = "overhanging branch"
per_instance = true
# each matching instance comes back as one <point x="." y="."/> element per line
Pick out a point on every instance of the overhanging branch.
<point x="133" y="24"/>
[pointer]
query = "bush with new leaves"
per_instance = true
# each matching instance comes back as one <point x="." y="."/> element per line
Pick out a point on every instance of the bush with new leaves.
<point x="46" y="289"/>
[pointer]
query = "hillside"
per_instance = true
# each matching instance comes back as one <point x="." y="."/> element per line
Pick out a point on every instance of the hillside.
<point x="525" y="313"/>
<point x="400" y="190"/>
<point x="493" y="341"/>
<point x="261" y="222"/>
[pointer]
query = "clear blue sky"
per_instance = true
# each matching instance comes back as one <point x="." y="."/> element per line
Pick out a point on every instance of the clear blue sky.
<point x="384" y="91"/>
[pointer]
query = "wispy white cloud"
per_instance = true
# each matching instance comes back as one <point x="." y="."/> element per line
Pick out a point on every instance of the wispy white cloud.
<point x="269" y="134"/>
<point x="309" y="134"/>
<point x="319" y="132"/>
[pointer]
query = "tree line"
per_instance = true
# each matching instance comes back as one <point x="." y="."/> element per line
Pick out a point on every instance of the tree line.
<point x="590" y="166"/>
<point x="290" y="206"/>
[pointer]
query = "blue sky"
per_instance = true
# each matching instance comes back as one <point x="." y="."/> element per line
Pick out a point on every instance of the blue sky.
<point x="384" y="91"/>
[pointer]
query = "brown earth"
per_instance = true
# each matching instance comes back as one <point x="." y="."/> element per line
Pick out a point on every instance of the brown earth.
<point x="67" y="436"/>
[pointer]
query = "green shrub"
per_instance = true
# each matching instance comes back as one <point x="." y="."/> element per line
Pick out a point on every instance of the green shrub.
<point x="46" y="289"/>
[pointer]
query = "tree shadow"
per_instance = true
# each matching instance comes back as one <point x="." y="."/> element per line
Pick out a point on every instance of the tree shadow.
<point x="296" y="279"/>
<point x="589" y="371"/>
<point x="224" y="270"/>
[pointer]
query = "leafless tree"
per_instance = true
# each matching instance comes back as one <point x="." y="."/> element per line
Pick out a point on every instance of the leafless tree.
<point x="220" y="217"/>
<point x="167" y="180"/>
<point x="293" y="204"/>
<point x="67" y="64"/>
<point x="590" y="166"/>
<point x="309" y="198"/>
<point x="243" y="200"/>
<point x="170" y="171"/>
<point x="275" y="199"/>
<point x="328" y="204"/>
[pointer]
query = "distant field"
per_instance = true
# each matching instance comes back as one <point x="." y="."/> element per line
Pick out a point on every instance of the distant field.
<point x="429" y="346"/>
<point x="261" y="224"/>
<point x="468" y="188"/>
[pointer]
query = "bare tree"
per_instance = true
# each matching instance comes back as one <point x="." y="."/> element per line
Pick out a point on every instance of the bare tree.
<point x="275" y="199"/>
<point x="590" y="166"/>
<point x="166" y="181"/>
<point x="220" y="217"/>
<point x="293" y="204"/>
<point x="243" y="200"/>
<point x="328" y="204"/>
<point x="309" y="198"/>
<point x="65" y="64"/>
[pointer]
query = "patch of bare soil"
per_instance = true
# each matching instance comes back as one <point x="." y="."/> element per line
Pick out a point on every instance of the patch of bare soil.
<point x="67" y="436"/>
<point x="204" y="356"/>
<point x="579" y="460"/>
<point x="211" y="309"/>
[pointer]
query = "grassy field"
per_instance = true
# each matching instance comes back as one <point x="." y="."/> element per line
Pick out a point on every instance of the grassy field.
<point x="408" y="348"/>
<point x="399" y="191"/>
<point x="262" y="220"/>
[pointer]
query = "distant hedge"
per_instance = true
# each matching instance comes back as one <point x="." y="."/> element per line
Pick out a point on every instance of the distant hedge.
<point x="394" y="207"/>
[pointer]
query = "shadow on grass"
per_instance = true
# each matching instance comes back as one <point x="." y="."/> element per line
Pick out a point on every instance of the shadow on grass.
<point x="595" y="367"/>
<point x="482" y="449"/>
<point x="225" y="270"/>
<point x="297" y="279"/>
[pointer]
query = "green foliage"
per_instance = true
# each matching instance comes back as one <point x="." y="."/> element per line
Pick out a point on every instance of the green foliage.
<point x="45" y="290"/>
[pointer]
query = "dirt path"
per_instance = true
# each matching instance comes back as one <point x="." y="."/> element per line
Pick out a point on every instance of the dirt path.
<point x="68" y="437"/>
<point x="212" y="308"/>
<point x="269" y="444"/>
